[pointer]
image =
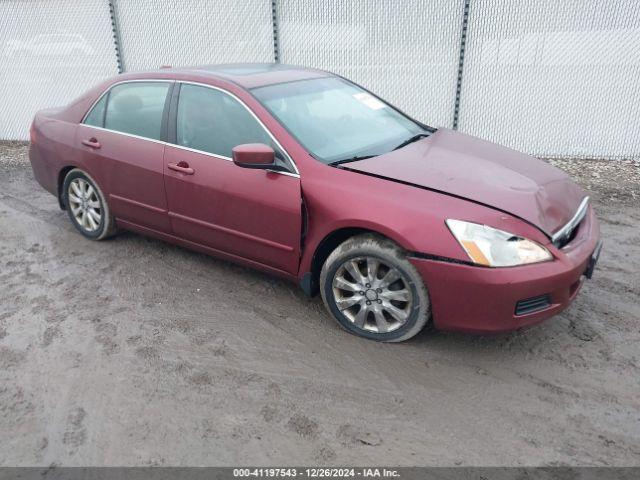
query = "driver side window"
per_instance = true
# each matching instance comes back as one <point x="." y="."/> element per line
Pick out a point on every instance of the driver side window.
<point x="214" y="122"/>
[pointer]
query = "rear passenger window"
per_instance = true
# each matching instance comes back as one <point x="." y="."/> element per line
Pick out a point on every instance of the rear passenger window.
<point x="96" y="116"/>
<point x="136" y="108"/>
<point x="214" y="122"/>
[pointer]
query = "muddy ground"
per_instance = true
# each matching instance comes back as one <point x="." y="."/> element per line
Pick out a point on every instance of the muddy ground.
<point x="134" y="352"/>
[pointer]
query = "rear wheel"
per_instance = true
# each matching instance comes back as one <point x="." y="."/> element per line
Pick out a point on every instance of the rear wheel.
<point x="373" y="291"/>
<point x="86" y="206"/>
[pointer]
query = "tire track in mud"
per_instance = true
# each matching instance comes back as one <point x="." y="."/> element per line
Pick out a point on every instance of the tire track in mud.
<point x="177" y="357"/>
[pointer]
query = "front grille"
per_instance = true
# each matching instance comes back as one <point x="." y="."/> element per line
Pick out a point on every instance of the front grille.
<point x="568" y="232"/>
<point x="567" y="238"/>
<point x="534" y="304"/>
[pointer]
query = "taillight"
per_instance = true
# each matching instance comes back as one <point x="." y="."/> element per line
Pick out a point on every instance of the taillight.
<point x="32" y="133"/>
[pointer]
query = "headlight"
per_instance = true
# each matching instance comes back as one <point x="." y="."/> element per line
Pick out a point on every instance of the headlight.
<point x="496" y="248"/>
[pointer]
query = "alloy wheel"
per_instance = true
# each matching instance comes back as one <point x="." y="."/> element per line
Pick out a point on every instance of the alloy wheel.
<point x="372" y="294"/>
<point x="84" y="204"/>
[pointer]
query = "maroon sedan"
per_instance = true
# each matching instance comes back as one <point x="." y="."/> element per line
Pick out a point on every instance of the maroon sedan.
<point x="306" y="175"/>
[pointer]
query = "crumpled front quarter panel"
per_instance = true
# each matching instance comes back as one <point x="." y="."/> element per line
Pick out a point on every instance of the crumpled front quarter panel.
<point x="413" y="217"/>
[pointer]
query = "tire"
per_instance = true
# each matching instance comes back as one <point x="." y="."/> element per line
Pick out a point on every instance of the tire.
<point x="368" y="277"/>
<point x="85" y="203"/>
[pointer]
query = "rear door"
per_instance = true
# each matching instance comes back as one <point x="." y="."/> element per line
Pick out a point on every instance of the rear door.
<point x="121" y="143"/>
<point x="252" y="214"/>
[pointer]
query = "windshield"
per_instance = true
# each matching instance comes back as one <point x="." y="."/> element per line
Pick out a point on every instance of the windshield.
<point x="336" y="120"/>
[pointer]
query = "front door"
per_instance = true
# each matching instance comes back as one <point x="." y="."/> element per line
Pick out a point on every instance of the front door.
<point x="252" y="214"/>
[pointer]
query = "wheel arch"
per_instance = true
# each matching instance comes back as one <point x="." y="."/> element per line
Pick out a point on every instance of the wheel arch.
<point x="310" y="280"/>
<point x="61" y="176"/>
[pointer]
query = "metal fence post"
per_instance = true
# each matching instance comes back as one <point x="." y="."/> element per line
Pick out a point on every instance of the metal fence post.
<point x="116" y="35"/>
<point x="463" y="44"/>
<point x="274" y="20"/>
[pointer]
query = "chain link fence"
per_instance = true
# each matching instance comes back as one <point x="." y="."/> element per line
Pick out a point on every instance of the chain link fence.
<point x="51" y="51"/>
<point x="153" y="33"/>
<point x="554" y="78"/>
<point x="406" y="51"/>
<point x="546" y="77"/>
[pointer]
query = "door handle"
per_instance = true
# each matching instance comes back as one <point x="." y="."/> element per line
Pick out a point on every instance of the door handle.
<point x="92" y="142"/>
<point x="182" y="167"/>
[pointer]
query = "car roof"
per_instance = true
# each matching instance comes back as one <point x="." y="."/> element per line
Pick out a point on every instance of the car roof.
<point x="251" y="75"/>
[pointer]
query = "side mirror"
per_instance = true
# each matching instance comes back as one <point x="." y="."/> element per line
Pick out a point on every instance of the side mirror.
<point x="254" y="155"/>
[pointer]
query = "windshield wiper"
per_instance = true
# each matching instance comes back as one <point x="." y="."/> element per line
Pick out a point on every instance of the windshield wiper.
<point x="351" y="159"/>
<point x="415" y="138"/>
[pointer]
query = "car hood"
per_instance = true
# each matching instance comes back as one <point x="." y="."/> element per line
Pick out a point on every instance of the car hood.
<point x="483" y="172"/>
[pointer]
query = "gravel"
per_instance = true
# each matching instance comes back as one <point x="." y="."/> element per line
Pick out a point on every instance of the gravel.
<point x="616" y="181"/>
<point x="13" y="154"/>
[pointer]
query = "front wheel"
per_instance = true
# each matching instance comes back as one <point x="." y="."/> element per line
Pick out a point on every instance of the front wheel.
<point x="373" y="291"/>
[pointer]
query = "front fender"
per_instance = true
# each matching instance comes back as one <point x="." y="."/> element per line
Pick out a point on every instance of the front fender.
<point x="412" y="217"/>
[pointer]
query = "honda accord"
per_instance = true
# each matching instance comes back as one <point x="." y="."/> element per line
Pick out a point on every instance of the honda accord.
<point x="304" y="174"/>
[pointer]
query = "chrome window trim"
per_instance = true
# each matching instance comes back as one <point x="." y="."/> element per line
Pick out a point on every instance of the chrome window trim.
<point x="295" y="174"/>
<point x="575" y="220"/>
<point x="251" y="112"/>
<point x="136" y="80"/>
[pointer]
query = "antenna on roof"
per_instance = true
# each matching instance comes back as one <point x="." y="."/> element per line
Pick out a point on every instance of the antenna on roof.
<point x="165" y="66"/>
